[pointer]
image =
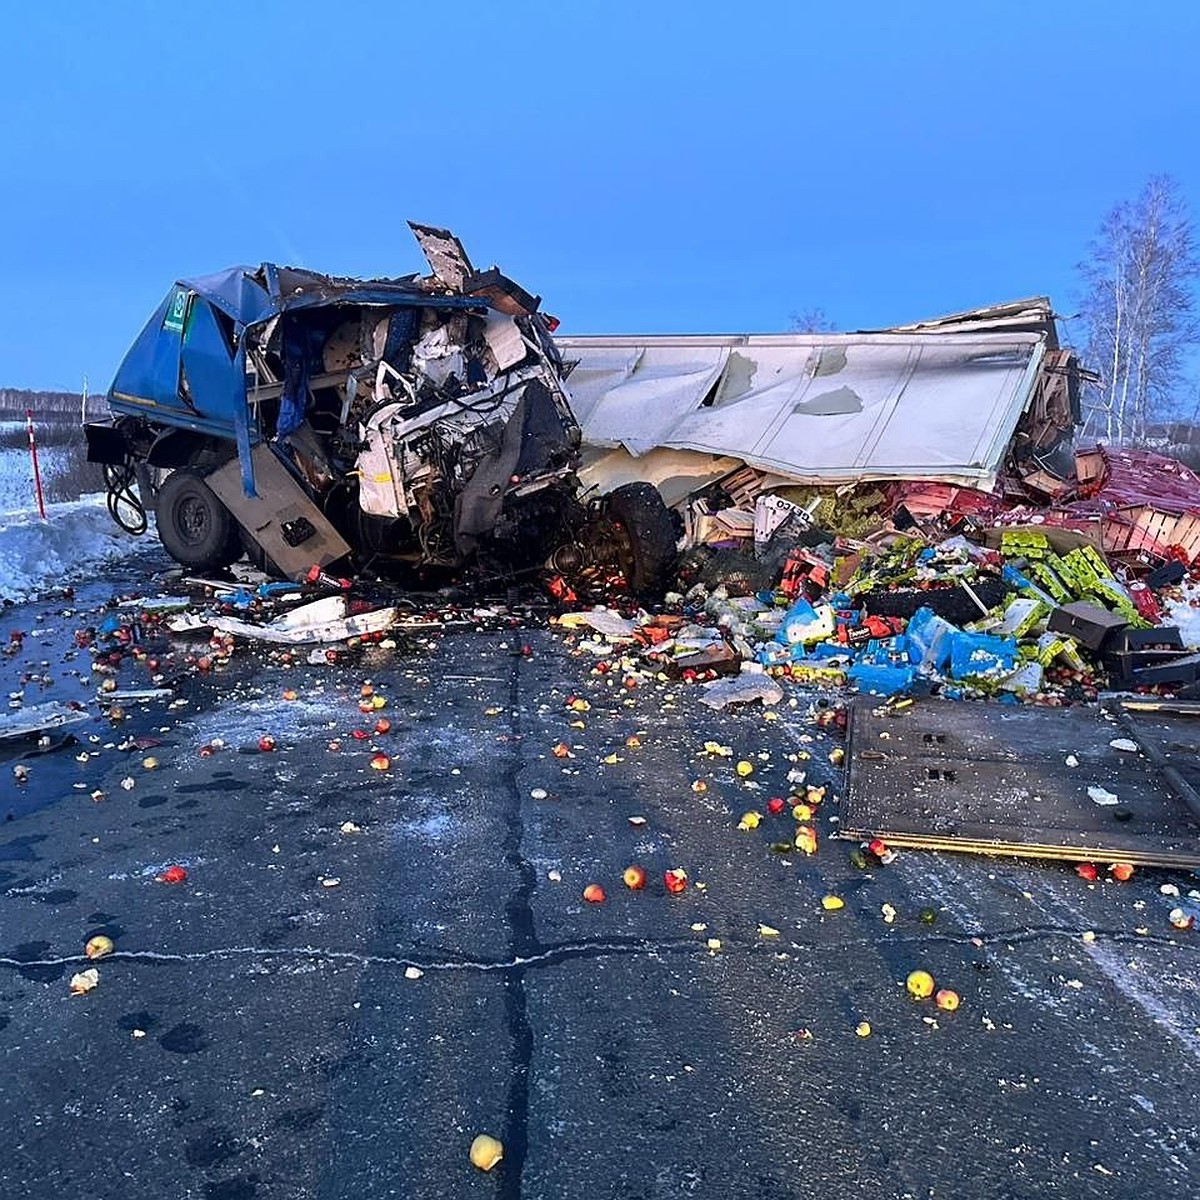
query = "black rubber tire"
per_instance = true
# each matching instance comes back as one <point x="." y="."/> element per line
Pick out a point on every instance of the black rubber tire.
<point x="194" y="527"/>
<point x="650" y="536"/>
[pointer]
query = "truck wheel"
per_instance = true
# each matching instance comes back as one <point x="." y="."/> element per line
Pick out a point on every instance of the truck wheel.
<point x="193" y="525"/>
<point x="645" y="537"/>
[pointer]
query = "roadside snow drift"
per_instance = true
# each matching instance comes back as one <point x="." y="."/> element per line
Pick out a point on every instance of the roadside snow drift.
<point x="77" y="538"/>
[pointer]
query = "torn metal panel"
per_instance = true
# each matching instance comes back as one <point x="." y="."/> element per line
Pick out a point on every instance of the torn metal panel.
<point x="445" y="254"/>
<point x="818" y="408"/>
<point x="991" y="780"/>
<point x="676" y="473"/>
<point x="290" y="528"/>
<point x="324" y="620"/>
<point x="1033" y="315"/>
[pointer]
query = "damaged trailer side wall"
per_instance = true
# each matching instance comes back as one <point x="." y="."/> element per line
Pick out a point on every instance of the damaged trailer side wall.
<point x="820" y="409"/>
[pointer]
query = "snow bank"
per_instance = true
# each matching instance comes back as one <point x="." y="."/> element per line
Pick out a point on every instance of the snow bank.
<point x="77" y="538"/>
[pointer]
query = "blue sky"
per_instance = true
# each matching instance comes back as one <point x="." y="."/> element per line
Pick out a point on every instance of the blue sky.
<point x="645" y="167"/>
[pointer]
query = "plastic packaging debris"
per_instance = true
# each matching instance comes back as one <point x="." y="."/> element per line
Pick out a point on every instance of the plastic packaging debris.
<point x="975" y="654"/>
<point x="1101" y="796"/>
<point x="84" y="981"/>
<point x="804" y="624"/>
<point x="610" y="624"/>
<point x="39" y="717"/>
<point x="326" y="620"/>
<point x="741" y="689"/>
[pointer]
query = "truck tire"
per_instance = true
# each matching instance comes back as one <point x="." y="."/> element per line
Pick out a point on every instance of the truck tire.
<point x="648" y="538"/>
<point x="194" y="526"/>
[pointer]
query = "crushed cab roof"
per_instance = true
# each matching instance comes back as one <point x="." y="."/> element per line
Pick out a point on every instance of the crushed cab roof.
<point x="251" y="295"/>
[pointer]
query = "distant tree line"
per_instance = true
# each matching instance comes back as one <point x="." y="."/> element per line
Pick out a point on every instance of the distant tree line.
<point x="14" y="402"/>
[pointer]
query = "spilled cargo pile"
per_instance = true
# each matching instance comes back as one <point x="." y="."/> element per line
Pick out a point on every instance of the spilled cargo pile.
<point x="1020" y="606"/>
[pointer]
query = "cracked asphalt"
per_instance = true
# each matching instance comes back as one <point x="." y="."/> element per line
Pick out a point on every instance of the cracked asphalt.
<point x="319" y="1013"/>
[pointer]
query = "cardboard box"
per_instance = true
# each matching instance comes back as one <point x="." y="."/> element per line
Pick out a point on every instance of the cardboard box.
<point x="1086" y="623"/>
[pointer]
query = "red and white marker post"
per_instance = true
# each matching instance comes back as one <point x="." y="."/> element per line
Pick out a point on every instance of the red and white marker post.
<point x="37" y="474"/>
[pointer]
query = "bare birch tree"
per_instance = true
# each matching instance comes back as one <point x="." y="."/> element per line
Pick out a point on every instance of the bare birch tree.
<point x="812" y="320"/>
<point x="1138" y="309"/>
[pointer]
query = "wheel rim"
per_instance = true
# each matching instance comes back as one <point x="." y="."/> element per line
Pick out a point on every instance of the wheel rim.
<point x="193" y="520"/>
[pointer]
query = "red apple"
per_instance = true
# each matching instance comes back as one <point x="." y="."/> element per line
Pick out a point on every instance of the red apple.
<point x="675" y="880"/>
<point x="593" y="893"/>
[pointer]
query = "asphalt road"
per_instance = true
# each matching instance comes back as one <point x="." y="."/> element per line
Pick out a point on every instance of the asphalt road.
<point x="261" y="1034"/>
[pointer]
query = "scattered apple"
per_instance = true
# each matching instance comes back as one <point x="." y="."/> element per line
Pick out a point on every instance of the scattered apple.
<point x="266" y="743"/>
<point x="594" y="893"/>
<point x="98" y="946"/>
<point x="1181" y="918"/>
<point x="634" y="877"/>
<point x="1121" y="871"/>
<point x="920" y="984"/>
<point x="486" y="1152"/>
<point x="383" y="725"/>
<point x="1087" y="870"/>
<point x="775" y="805"/>
<point x="173" y="874"/>
<point x="675" y="880"/>
<point x="946" y="999"/>
<point x="380" y="762"/>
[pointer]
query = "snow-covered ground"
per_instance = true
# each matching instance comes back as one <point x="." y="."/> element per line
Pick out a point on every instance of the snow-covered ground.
<point x="1184" y="615"/>
<point x="16" y="475"/>
<point x="75" y="542"/>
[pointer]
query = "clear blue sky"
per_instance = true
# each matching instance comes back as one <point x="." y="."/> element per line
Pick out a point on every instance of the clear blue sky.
<point x="645" y="167"/>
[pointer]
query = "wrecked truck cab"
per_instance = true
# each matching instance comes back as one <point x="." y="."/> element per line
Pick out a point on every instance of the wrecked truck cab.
<point x="419" y="424"/>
